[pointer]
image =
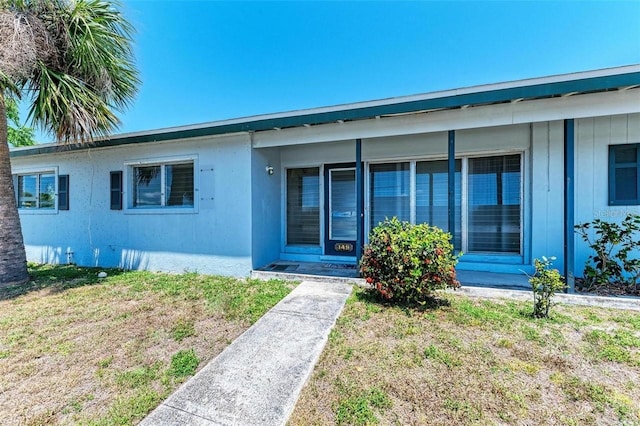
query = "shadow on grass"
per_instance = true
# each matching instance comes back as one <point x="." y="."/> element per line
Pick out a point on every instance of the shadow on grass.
<point x="431" y="303"/>
<point x="56" y="278"/>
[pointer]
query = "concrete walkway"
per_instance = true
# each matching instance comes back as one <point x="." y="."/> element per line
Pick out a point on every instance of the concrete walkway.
<point x="257" y="379"/>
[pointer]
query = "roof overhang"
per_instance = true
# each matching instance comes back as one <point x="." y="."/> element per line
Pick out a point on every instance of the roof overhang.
<point x="562" y="86"/>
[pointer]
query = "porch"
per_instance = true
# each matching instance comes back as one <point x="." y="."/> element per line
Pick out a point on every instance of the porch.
<point x="344" y="272"/>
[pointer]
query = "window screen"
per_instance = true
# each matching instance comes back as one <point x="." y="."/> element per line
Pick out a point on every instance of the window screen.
<point x="494" y="204"/>
<point x="432" y="196"/>
<point x="303" y="206"/>
<point x="389" y="192"/>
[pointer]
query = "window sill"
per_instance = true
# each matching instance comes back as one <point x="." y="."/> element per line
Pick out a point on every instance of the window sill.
<point x="37" y="211"/>
<point x="624" y="203"/>
<point x="507" y="258"/>
<point x="160" y="210"/>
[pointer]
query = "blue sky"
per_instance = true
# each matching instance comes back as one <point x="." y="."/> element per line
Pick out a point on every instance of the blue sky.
<point x="210" y="60"/>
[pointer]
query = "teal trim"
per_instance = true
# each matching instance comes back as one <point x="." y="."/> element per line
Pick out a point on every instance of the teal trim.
<point x="451" y="183"/>
<point x="569" y="204"/>
<point x="536" y="91"/>
<point x="359" y="199"/>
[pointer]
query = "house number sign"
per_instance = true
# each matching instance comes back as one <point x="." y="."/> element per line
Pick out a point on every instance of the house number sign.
<point x="343" y="247"/>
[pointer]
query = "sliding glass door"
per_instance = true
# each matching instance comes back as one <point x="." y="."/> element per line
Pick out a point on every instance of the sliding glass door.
<point x="488" y="199"/>
<point x="389" y="192"/>
<point x="432" y="196"/>
<point x="494" y="204"/>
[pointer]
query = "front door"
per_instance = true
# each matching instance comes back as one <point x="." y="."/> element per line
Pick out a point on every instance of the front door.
<point x="340" y="210"/>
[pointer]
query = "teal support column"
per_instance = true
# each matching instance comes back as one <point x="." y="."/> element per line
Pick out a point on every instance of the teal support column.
<point x="359" y="200"/>
<point x="451" y="201"/>
<point x="569" y="200"/>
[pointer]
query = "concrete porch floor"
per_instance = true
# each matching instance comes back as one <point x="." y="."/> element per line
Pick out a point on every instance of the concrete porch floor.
<point x="340" y="272"/>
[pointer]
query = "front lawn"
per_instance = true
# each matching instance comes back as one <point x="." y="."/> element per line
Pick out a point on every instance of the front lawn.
<point x="472" y="361"/>
<point x="75" y="349"/>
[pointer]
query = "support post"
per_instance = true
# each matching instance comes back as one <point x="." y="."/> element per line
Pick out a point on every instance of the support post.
<point x="451" y="201"/>
<point x="569" y="199"/>
<point x="359" y="200"/>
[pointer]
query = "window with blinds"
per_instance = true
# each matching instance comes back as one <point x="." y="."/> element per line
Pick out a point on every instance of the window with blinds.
<point x="494" y="204"/>
<point x="389" y="192"/>
<point x="303" y="206"/>
<point x="163" y="185"/>
<point x="432" y="196"/>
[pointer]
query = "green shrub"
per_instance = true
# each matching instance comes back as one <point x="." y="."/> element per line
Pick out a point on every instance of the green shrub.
<point x="406" y="263"/>
<point x="544" y="283"/>
<point x="613" y="245"/>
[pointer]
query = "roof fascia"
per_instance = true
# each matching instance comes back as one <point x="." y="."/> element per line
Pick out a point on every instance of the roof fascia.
<point x="256" y="124"/>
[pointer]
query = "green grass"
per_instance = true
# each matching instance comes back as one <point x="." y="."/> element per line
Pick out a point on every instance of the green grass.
<point x="474" y="361"/>
<point x="184" y="363"/>
<point x="76" y="349"/>
<point x="183" y="329"/>
<point x="360" y="408"/>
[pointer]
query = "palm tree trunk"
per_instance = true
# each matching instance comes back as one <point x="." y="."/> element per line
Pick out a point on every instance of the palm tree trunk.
<point x="13" y="260"/>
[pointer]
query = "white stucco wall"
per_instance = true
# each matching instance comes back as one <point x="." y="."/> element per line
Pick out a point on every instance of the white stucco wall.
<point x="265" y="206"/>
<point x="240" y="217"/>
<point x="215" y="239"/>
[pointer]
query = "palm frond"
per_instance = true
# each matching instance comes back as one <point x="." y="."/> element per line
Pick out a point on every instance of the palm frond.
<point x="71" y="108"/>
<point x="100" y="52"/>
<point x="84" y="69"/>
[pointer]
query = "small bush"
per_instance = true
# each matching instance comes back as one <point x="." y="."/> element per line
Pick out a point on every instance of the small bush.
<point x="544" y="283"/>
<point x="613" y="246"/>
<point x="406" y="263"/>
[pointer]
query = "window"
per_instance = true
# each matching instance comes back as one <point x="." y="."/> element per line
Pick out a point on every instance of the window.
<point x="161" y="185"/>
<point x="389" y="192"/>
<point x="487" y="220"/>
<point x="36" y="191"/>
<point x="494" y="204"/>
<point x="624" y="174"/>
<point x="432" y="196"/>
<point x="303" y="206"/>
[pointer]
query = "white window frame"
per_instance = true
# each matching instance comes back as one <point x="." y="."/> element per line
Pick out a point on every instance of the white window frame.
<point x="37" y="172"/>
<point x="129" y="176"/>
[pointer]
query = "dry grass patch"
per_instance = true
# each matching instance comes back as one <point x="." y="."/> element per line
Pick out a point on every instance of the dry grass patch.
<point x="78" y="350"/>
<point x="468" y="361"/>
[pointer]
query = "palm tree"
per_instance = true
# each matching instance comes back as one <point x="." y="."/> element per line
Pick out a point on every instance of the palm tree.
<point x="72" y="60"/>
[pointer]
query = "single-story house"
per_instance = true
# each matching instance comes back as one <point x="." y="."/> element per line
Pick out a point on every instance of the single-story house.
<point x="507" y="168"/>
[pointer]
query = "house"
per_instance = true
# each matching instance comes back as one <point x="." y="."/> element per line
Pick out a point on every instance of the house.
<point x="507" y="168"/>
